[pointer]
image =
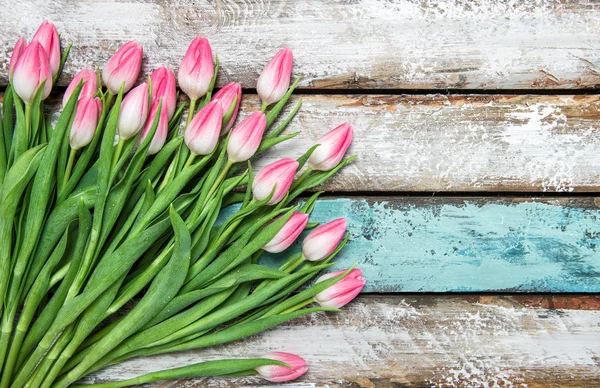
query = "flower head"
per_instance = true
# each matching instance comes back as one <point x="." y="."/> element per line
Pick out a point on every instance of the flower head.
<point x="197" y="69"/>
<point x="342" y="292"/>
<point x="280" y="373"/>
<point x="85" y="122"/>
<point x="123" y="67"/>
<point x="288" y="233"/>
<point x="246" y="137"/>
<point x="47" y="35"/>
<point x="202" y="134"/>
<point x="332" y="147"/>
<point x="31" y="71"/>
<point x="274" y="80"/>
<point x="323" y="240"/>
<point x="276" y="177"/>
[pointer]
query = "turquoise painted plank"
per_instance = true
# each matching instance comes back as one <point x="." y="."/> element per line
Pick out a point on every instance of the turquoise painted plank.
<point x="448" y="244"/>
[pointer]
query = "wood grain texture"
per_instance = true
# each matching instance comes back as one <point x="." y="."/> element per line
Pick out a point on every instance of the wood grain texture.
<point x="343" y="44"/>
<point x="469" y="244"/>
<point x="419" y="341"/>
<point x="456" y="143"/>
<point x="437" y="143"/>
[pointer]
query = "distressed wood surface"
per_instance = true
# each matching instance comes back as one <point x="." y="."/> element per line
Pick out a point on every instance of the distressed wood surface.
<point x="457" y="143"/>
<point x="495" y="44"/>
<point x="416" y="244"/>
<point x="420" y="341"/>
<point x="438" y="143"/>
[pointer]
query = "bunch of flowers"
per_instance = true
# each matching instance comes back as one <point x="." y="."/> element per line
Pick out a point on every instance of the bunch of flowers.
<point x="111" y="244"/>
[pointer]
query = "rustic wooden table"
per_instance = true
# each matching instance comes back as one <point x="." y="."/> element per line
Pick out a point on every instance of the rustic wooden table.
<point x="471" y="203"/>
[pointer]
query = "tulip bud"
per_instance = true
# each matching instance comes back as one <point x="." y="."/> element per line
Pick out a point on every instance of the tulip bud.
<point x="246" y="137"/>
<point x="31" y="70"/>
<point x="288" y="234"/>
<point x="133" y="113"/>
<point x="197" y="69"/>
<point x="47" y="35"/>
<point x="229" y="97"/>
<point x="274" y="80"/>
<point x="123" y="67"/>
<point x="17" y="51"/>
<point x="333" y="146"/>
<point x="85" y="122"/>
<point x="90" y="86"/>
<point x="342" y="292"/>
<point x="163" y="86"/>
<point x="160" y="136"/>
<point x="323" y="240"/>
<point x="202" y="134"/>
<point x="279" y="176"/>
<point x="280" y="373"/>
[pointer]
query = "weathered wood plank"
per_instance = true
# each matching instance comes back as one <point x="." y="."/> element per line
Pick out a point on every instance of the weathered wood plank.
<point x="453" y="143"/>
<point x="358" y="44"/>
<point x="420" y="341"/>
<point x="457" y="143"/>
<point x="470" y="244"/>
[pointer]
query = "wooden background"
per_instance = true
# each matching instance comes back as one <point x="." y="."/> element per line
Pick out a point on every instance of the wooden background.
<point x="478" y="136"/>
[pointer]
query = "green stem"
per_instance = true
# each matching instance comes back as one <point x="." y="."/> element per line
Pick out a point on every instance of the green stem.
<point x="27" y="122"/>
<point x="263" y="107"/>
<point x="189" y="161"/>
<point x="191" y="112"/>
<point x="219" y="179"/>
<point x="117" y="153"/>
<point x="69" y="168"/>
<point x="301" y="178"/>
<point x="298" y="306"/>
<point x="291" y="267"/>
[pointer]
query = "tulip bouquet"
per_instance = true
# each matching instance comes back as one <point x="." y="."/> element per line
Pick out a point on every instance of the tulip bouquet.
<point x="130" y="228"/>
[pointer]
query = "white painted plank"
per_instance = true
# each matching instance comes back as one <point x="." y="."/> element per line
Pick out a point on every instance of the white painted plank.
<point x="458" y="341"/>
<point x="359" y="44"/>
<point x="440" y="143"/>
<point x="457" y="143"/>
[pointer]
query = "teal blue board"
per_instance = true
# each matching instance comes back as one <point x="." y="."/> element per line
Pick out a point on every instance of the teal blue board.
<point x="455" y="244"/>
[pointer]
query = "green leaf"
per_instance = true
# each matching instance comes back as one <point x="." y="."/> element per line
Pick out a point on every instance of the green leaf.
<point x="47" y="315"/>
<point x="270" y="142"/>
<point x="207" y="368"/>
<point x="274" y="112"/>
<point x="304" y="158"/>
<point x="284" y="124"/>
<point x="16" y="182"/>
<point x="43" y="182"/>
<point x="164" y="287"/>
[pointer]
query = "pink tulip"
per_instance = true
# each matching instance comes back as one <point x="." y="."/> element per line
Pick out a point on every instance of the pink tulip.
<point x="134" y="112"/>
<point x="229" y="97"/>
<point x="85" y="122"/>
<point x="288" y="234"/>
<point x="31" y="70"/>
<point x="123" y="67"/>
<point x="163" y="86"/>
<point x="202" y="134"/>
<point x="197" y="69"/>
<point x="274" y="80"/>
<point x="47" y="35"/>
<point x="89" y="88"/>
<point x="160" y="136"/>
<point x="280" y="373"/>
<point x="246" y="137"/>
<point x="323" y="240"/>
<point x="279" y="176"/>
<point x="333" y="146"/>
<point x="17" y="51"/>
<point x="342" y="292"/>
